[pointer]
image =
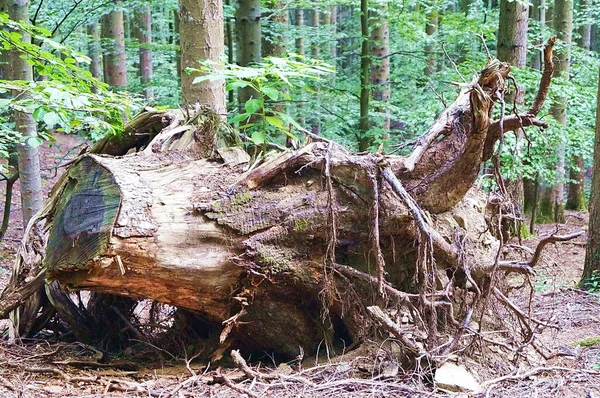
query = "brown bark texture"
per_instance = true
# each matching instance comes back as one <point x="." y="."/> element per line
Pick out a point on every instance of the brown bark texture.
<point x="113" y="34"/>
<point x="592" y="251"/>
<point x="143" y="33"/>
<point x="201" y="31"/>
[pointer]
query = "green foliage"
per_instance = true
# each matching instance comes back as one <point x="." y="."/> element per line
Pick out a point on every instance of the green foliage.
<point x="65" y="97"/>
<point x="272" y="82"/>
<point x="592" y="283"/>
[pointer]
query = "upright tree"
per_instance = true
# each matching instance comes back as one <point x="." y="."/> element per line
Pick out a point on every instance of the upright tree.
<point x="592" y="251"/>
<point x="275" y="38"/>
<point x="28" y="155"/>
<point x="247" y="19"/>
<point x="380" y="70"/>
<point x="315" y="49"/>
<point x="113" y="35"/>
<point x="364" y="140"/>
<point x="201" y="31"/>
<point x="576" y="194"/>
<point x="94" y="50"/>
<point x="563" y="24"/>
<point x="431" y="27"/>
<point x="143" y="33"/>
<point x="299" y="16"/>
<point x="512" y="48"/>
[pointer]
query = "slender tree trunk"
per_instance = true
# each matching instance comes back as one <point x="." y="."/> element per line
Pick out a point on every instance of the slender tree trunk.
<point x="333" y="37"/>
<point x="576" y="195"/>
<point x="29" y="161"/>
<point x="364" y="141"/>
<point x="174" y="37"/>
<point x="230" y="45"/>
<point x="315" y="51"/>
<point x="247" y="18"/>
<point x="380" y="74"/>
<point x="431" y="27"/>
<point x="592" y="252"/>
<point x="299" y="37"/>
<point x="563" y="24"/>
<point x="585" y="30"/>
<point x="113" y="35"/>
<point x="531" y="187"/>
<point x="143" y="32"/>
<point x="94" y="50"/>
<point x="275" y="38"/>
<point x="201" y="38"/>
<point x="538" y="13"/>
<point x="512" y="48"/>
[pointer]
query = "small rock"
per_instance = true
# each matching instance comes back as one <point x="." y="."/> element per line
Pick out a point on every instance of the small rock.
<point x="455" y="378"/>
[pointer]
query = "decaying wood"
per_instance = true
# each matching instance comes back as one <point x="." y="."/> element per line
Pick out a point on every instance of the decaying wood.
<point x="306" y="248"/>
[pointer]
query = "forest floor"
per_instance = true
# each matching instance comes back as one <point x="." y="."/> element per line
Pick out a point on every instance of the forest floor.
<point x="37" y="368"/>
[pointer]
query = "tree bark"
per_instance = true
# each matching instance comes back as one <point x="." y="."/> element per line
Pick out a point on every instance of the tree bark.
<point x="431" y="27"/>
<point x="592" y="251"/>
<point x="364" y="139"/>
<point x="28" y="156"/>
<point x="563" y="24"/>
<point x="248" y="40"/>
<point x="299" y="14"/>
<point x="576" y="191"/>
<point x="143" y="33"/>
<point x="315" y="50"/>
<point x="275" y="39"/>
<point x="113" y="35"/>
<point x="585" y="29"/>
<point x="538" y="13"/>
<point x="95" y="50"/>
<point x="512" y="48"/>
<point x="380" y="71"/>
<point x="201" y="38"/>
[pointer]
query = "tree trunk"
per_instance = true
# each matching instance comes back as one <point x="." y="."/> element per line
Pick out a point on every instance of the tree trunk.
<point x="29" y="161"/>
<point x="143" y="33"/>
<point x="364" y="139"/>
<point x="315" y="50"/>
<point x="431" y="27"/>
<point x="380" y="71"/>
<point x="275" y="37"/>
<point x="202" y="38"/>
<point x="333" y="13"/>
<point x="292" y="253"/>
<point x="585" y="29"/>
<point x="592" y="251"/>
<point x="95" y="50"/>
<point x="563" y="24"/>
<point x="538" y="13"/>
<point x="299" y="14"/>
<point x="512" y="48"/>
<point x="576" y="192"/>
<point x="113" y="35"/>
<point x="248" y="40"/>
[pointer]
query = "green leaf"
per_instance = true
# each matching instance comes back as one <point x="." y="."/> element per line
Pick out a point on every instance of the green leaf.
<point x="34" y="142"/>
<point x="270" y="92"/>
<point x="253" y="105"/>
<point x="240" y="117"/>
<point x="259" y="137"/>
<point x="51" y="119"/>
<point x="275" y="121"/>
<point x="237" y="84"/>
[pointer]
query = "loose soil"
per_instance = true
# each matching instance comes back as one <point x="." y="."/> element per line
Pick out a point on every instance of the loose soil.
<point x="36" y="368"/>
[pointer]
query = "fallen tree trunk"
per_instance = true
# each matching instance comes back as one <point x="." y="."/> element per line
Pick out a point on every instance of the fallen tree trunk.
<point x="293" y="252"/>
